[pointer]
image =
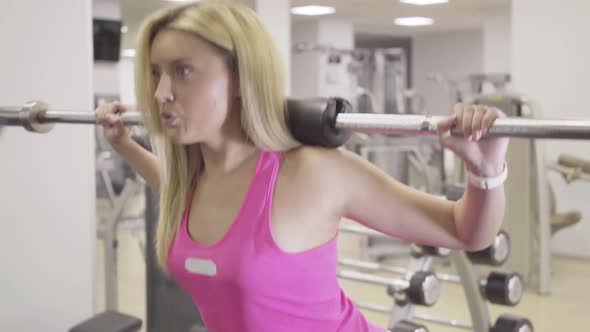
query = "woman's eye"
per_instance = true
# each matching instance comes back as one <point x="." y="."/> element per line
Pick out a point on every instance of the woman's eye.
<point x="156" y="75"/>
<point x="183" y="71"/>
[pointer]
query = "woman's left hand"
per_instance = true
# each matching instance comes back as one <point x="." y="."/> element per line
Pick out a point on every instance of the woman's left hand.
<point x="483" y="157"/>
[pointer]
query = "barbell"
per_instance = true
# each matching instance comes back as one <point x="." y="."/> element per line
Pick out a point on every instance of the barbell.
<point x="326" y="122"/>
<point x="35" y="116"/>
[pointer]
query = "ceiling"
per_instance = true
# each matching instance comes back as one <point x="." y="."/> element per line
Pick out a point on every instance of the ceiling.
<point x="376" y="16"/>
<point x="368" y="16"/>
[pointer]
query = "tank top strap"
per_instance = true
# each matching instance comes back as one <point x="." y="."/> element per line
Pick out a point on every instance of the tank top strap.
<point x="256" y="202"/>
<point x="255" y="206"/>
<point x="272" y="162"/>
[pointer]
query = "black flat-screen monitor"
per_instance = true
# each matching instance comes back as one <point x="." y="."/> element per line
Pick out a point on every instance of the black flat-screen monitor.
<point x="106" y="39"/>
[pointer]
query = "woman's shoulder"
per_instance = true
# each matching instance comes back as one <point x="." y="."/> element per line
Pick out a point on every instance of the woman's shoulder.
<point x="309" y="176"/>
<point x="317" y="165"/>
<point x="309" y="158"/>
<point x="320" y="157"/>
<point x="325" y="176"/>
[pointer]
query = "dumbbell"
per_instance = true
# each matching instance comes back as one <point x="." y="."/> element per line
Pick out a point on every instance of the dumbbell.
<point x="423" y="288"/>
<point x="494" y="255"/>
<point x="409" y="326"/>
<point x="503" y="288"/>
<point x="498" y="252"/>
<point x="406" y="325"/>
<point x="416" y="250"/>
<point x="504" y="323"/>
<point x="509" y="323"/>
<point x="498" y="288"/>
<point x="419" y="250"/>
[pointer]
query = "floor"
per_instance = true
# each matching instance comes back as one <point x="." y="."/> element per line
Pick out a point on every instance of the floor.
<point x="564" y="310"/>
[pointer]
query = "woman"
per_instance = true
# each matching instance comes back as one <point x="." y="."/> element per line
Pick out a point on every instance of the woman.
<point x="248" y="217"/>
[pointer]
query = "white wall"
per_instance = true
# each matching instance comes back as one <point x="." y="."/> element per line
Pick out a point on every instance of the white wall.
<point x="497" y="41"/>
<point x="47" y="185"/>
<point x="105" y="78"/>
<point x="312" y="75"/>
<point x="304" y="66"/>
<point x="105" y="73"/>
<point x="334" y="78"/>
<point x="276" y="16"/>
<point x="453" y="54"/>
<point x="550" y="55"/>
<point x="126" y="71"/>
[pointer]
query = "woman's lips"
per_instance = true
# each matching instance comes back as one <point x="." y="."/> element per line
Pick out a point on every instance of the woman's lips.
<point x="170" y="119"/>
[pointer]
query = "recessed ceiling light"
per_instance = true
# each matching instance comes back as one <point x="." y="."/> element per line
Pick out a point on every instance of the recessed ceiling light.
<point x="179" y="0"/>
<point x="124" y="29"/>
<point x="313" y="10"/>
<point x="128" y="53"/>
<point x="423" y="2"/>
<point x="414" y="21"/>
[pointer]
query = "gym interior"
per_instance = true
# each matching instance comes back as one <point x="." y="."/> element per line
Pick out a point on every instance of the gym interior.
<point x="78" y="224"/>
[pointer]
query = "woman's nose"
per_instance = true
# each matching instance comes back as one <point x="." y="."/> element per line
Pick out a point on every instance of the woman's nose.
<point x="163" y="92"/>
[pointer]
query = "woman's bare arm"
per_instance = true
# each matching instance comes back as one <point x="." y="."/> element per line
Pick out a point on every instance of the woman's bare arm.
<point x="380" y="202"/>
<point x="141" y="160"/>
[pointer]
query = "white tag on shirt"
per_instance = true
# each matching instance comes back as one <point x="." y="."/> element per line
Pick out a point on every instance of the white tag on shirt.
<point x="200" y="266"/>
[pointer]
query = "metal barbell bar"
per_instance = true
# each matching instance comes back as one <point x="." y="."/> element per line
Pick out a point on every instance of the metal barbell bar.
<point x="426" y="125"/>
<point x="333" y="113"/>
<point x="35" y="116"/>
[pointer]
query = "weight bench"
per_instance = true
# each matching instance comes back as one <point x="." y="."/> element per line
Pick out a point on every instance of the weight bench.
<point x="109" y="321"/>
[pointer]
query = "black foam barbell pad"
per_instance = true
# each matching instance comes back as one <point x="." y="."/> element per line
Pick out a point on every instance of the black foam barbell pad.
<point x="313" y="121"/>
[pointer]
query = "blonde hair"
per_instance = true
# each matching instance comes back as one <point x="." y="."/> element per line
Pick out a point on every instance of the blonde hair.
<point x="235" y="30"/>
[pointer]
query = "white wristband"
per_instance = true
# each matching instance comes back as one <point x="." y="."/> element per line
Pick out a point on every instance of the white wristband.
<point x="488" y="183"/>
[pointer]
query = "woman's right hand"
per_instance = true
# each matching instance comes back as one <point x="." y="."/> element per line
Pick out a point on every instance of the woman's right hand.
<point x="109" y="116"/>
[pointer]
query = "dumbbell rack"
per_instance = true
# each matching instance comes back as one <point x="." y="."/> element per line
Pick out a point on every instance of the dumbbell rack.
<point x="402" y="313"/>
<point x="480" y="316"/>
<point x="418" y="287"/>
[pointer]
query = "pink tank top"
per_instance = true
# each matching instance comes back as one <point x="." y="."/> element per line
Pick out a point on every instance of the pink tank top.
<point x="245" y="282"/>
